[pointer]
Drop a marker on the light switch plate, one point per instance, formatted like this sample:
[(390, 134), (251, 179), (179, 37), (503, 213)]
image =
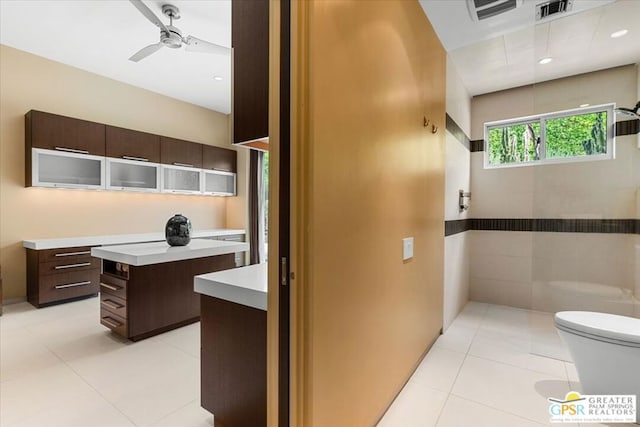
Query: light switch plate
[(407, 248)]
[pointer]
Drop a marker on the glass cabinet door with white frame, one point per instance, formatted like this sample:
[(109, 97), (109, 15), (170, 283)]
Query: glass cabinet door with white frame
[(66, 170), (178, 179), (133, 175), (219, 183)]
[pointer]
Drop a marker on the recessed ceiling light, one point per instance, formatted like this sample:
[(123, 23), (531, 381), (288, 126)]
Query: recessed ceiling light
[(545, 60), (619, 33), (584, 105), (218, 78)]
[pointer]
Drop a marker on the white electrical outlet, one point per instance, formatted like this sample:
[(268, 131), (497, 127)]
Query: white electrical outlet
[(407, 248)]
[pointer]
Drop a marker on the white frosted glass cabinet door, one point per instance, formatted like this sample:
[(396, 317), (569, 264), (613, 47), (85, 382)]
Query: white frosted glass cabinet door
[(66, 170), (219, 183), (133, 175), (176, 179)]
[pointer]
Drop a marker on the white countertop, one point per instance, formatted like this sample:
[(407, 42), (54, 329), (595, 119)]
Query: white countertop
[(118, 239), (159, 252), (244, 285)]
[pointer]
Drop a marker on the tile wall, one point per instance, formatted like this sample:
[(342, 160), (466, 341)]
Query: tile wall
[(457, 177), (552, 271)]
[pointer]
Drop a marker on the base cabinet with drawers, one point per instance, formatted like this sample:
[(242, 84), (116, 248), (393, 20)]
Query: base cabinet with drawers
[(137, 302), (57, 275)]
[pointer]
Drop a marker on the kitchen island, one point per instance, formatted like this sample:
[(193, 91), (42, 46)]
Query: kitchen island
[(233, 346), (147, 288)]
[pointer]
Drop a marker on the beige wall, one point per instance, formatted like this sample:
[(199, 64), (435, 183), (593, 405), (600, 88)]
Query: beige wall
[(369, 175), (31, 82)]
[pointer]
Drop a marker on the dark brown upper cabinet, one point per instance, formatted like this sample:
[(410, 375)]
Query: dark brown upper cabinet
[(132, 145), (180, 153), (250, 42), (54, 132), (220, 159)]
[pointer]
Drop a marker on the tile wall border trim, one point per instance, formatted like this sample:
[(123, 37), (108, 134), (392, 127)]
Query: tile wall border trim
[(555, 225), (457, 131)]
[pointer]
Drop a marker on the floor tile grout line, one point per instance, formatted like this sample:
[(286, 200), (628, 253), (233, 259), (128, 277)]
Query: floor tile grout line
[(519, 367), (173, 412)]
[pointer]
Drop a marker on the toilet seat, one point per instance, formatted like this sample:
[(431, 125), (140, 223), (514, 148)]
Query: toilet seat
[(600, 326)]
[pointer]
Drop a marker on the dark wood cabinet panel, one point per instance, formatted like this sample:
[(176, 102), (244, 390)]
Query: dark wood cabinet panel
[(68, 285), (135, 145), (220, 159), (233, 362), (250, 42), (54, 132), (180, 153)]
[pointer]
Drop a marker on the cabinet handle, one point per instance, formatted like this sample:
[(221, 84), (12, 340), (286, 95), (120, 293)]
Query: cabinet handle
[(140, 159), (111, 304), (113, 288), (73, 285), (72, 150), (111, 322), (74, 253), (182, 164), (82, 264)]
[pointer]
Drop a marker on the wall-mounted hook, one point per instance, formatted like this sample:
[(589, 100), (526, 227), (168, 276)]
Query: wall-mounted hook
[(434, 129), (426, 122)]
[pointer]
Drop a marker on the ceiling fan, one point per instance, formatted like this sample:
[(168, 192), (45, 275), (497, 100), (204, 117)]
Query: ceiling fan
[(171, 36), (629, 112)]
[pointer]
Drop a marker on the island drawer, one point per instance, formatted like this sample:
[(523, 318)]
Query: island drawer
[(113, 304), (116, 323), (65, 255), (113, 285), (67, 265), (56, 287)]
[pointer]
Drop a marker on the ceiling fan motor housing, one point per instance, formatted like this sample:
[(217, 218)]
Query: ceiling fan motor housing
[(173, 38)]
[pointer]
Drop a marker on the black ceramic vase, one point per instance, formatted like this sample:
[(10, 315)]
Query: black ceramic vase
[(178, 230)]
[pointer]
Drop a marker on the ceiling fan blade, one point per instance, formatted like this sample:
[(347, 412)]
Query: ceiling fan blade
[(145, 51), (149, 14), (195, 44)]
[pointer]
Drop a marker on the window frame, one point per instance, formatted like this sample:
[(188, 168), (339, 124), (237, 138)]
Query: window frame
[(542, 119)]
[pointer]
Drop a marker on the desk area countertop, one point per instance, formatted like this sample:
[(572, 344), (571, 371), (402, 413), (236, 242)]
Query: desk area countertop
[(160, 252), (244, 285), (119, 239)]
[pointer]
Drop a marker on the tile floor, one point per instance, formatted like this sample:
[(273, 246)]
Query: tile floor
[(486, 370), (60, 367)]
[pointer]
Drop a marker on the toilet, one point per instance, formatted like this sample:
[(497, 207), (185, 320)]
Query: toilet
[(605, 349)]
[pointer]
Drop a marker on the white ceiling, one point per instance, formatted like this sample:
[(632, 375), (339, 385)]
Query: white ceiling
[(495, 54), (503, 52), (100, 36)]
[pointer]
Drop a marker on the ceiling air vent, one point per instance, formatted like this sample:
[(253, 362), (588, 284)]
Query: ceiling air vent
[(552, 8), (483, 9)]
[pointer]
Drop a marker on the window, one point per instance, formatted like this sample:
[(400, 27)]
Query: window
[(565, 136), (265, 201)]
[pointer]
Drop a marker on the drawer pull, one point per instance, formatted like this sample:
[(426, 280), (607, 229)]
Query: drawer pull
[(187, 165), (71, 150), (110, 304), (140, 159), (74, 253), (73, 285), (113, 288), (111, 322), (82, 264)]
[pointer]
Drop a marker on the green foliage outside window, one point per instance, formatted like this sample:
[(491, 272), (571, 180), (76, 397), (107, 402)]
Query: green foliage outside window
[(564, 137)]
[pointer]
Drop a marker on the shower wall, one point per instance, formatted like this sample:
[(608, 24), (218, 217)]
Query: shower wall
[(552, 271), (457, 175)]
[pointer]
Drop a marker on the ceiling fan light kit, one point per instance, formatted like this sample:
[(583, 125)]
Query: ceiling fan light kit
[(171, 36)]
